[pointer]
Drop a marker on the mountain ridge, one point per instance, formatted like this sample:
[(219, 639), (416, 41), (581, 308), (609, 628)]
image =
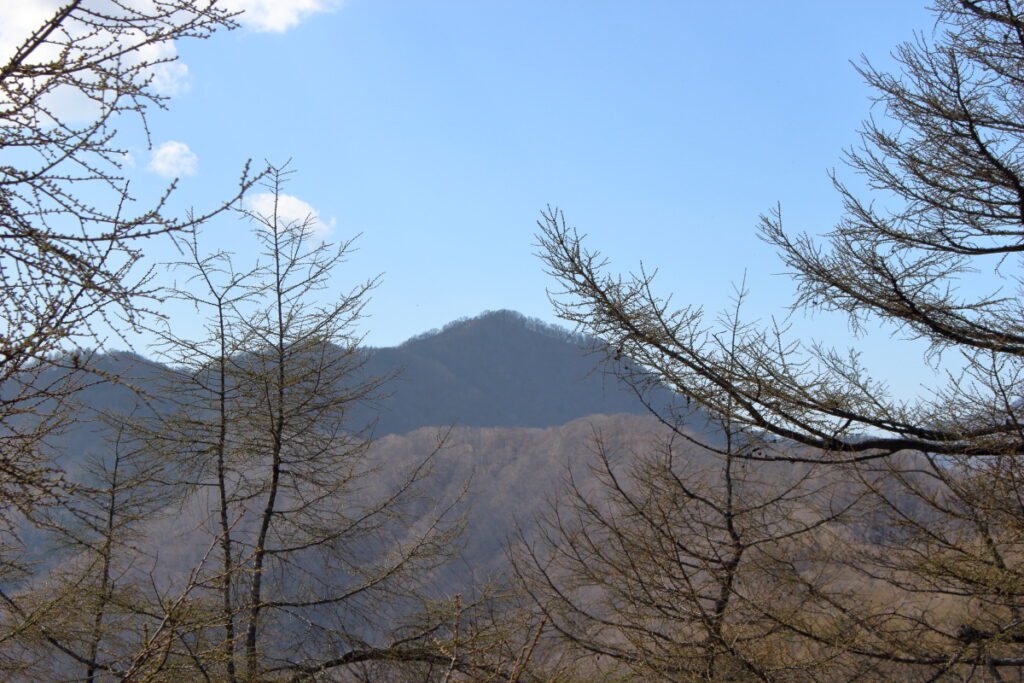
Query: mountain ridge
[(499, 368), (496, 369)]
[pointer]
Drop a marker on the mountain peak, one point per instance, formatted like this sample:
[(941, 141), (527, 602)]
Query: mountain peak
[(495, 321), (499, 368), (496, 369)]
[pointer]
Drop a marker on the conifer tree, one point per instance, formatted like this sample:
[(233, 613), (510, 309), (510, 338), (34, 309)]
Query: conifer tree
[(928, 583)]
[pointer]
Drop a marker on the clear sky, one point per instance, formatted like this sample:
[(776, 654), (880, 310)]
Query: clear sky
[(439, 129)]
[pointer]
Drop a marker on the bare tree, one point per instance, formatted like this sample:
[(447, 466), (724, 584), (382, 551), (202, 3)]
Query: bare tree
[(91, 601), (675, 561), (933, 581), (70, 230), (323, 557), (955, 162), (928, 581), (306, 487), (196, 424), (71, 269)]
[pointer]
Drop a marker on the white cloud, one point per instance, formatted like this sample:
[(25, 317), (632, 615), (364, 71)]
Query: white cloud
[(173, 159), (290, 210), (169, 77), (277, 16), (19, 19), (71, 105)]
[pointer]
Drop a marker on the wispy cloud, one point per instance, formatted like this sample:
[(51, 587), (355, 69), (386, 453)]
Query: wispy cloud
[(173, 159), (170, 75), (277, 16), (290, 210)]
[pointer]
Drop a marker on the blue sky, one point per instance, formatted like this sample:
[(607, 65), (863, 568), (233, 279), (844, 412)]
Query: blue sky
[(439, 129)]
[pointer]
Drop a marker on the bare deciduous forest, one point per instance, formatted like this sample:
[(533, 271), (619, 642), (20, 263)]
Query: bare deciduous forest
[(231, 510)]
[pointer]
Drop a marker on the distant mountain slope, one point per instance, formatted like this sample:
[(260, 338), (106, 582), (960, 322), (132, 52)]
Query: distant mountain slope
[(511, 473), (497, 369)]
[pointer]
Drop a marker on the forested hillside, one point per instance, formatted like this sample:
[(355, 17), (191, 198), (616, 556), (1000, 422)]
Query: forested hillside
[(498, 369)]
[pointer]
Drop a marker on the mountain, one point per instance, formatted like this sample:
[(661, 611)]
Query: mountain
[(497, 369), (514, 473), (505, 476)]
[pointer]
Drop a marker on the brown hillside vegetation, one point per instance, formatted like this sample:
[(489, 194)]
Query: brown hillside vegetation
[(654, 558), (659, 558)]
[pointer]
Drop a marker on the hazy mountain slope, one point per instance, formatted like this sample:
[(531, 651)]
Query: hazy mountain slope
[(512, 473), (497, 369), (508, 475)]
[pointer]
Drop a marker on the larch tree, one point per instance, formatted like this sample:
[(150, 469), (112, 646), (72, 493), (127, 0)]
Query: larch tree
[(930, 583), (196, 425), (71, 234), (954, 160), (676, 560), (321, 557), (94, 600)]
